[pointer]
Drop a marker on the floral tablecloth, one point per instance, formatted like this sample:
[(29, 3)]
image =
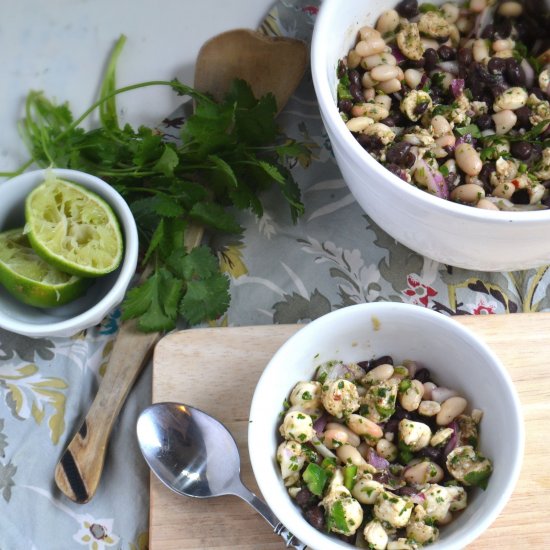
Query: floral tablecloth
[(280, 273)]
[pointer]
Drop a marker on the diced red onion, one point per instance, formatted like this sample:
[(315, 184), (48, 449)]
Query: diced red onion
[(435, 182), (320, 423), (374, 459), (452, 443), (466, 138), (441, 394), (396, 52), (529, 73), (457, 86)]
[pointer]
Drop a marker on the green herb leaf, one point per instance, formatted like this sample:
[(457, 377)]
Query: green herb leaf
[(337, 517), (471, 129), (205, 299), (478, 479)]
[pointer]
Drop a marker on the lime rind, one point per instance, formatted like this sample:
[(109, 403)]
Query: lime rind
[(73, 229), (30, 279)]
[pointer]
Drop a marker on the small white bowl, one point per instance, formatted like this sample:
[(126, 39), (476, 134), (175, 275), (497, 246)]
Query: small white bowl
[(445, 231), (105, 292), (456, 358)]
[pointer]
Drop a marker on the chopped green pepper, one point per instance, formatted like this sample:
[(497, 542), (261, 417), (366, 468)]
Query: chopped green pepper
[(350, 472), (315, 478)]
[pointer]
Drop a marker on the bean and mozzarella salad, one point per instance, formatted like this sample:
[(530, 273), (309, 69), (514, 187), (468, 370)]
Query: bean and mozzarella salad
[(454, 99), (376, 454)]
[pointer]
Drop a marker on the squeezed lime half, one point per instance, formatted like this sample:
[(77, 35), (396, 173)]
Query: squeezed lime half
[(72, 228), (30, 279)]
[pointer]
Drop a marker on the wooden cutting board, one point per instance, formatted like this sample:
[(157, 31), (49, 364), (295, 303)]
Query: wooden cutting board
[(217, 369)]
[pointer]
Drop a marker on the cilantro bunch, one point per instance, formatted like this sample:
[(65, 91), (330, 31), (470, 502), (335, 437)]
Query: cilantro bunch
[(230, 152)]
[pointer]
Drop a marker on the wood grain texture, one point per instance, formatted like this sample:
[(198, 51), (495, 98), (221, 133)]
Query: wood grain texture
[(217, 370)]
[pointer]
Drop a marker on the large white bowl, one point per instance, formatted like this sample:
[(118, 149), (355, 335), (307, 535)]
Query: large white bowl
[(105, 292), (451, 233), (456, 359)]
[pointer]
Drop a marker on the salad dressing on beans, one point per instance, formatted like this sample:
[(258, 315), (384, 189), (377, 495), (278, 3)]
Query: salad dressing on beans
[(378, 455), (454, 99)]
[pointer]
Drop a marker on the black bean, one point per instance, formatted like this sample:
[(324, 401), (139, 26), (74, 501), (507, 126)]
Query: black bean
[(545, 184), (497, 89), (538, 92), (488, 31), (537, 151), (521, 149), (382, 360), (464, 56), (432, 453), (410, 159), (407, 8), (486, 171), (342, 69), (415, 63), (305, 498), (431, 59), (523, 114), (515, 74), (354, 77), (406, 491), (446, 53), (397, 170), (496, 65), (356, 92), (450, 150), (485, 122), (420, 108), (316, 517), (370, 143), (345, 105), (397, 152), (423, 375), (502, 29), (521, 196), (392, 425)]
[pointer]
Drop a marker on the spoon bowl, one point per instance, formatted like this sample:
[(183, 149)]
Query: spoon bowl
[(195, 455)]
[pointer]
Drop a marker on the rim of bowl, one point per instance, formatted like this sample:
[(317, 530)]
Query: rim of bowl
[(127, 268), (290, 516), (319, 54)]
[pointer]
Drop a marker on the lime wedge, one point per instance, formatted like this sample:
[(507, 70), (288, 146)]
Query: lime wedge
[(72, 228), (32, 280)]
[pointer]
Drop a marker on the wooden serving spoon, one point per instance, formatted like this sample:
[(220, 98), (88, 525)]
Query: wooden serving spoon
[(269, 65)]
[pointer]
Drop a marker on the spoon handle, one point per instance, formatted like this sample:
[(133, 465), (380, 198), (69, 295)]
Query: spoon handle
[(265, 511)]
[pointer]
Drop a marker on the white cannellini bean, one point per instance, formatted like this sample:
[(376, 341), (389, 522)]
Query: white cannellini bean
[(384, 101), (510, 9), (371, 61), (504, 190), (369, 94), (365, 33), (370, 46), (358, 124), (429, 408), (363, 426), (386, 449), (447, 140), (486, 205), (464, 25), (372, 110), (367, 81), (429, 386), (450, 409), (504, 54), (450, 12), (504, 121), (412, 396), (503, 44), (354, 59), (350, 455), (423, 472), (440, 126), (335, 438), (512, 99), (384, 72), (379, 373), (468, 159), (478, 5), (480, 50), (413, 78), (429, 43), (352, 438), (469, 193), (400, 74), (387, 22), (390, 86)]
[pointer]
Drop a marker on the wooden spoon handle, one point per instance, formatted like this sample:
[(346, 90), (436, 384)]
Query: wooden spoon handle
[(78, 472)]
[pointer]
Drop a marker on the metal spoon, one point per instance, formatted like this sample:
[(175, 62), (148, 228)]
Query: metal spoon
[(195, 455)]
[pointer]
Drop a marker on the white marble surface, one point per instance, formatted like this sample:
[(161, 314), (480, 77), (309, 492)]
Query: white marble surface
[(61, 47)]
